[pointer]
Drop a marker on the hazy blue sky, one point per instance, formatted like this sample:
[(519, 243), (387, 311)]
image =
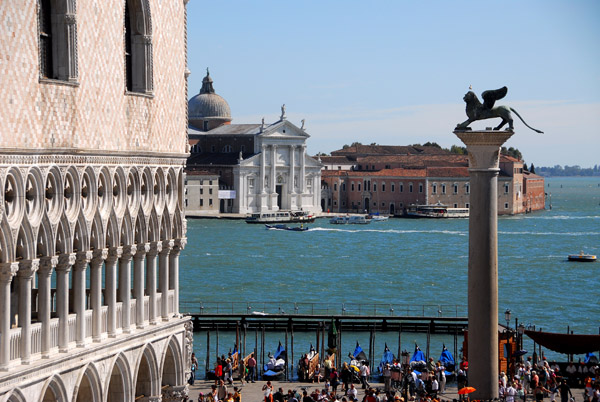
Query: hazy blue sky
[(395, 72)]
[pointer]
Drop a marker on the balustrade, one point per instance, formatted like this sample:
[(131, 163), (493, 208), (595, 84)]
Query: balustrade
[(15, 343), (89, 323), (36, 338), (146, 308)]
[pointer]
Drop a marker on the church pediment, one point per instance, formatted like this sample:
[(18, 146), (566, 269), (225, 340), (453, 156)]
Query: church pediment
[(284, 129)]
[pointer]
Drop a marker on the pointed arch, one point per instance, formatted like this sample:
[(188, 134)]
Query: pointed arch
[(112, 232), (171, 366), (54, 390), (81, 240), (25, 244), (126, 230), (45, 239), (89, 388), (15, 396), (64, 240), (147, 377), (177, 232), (119, 381), (165, 226), (97, 235), (141, 231), (153, 227)]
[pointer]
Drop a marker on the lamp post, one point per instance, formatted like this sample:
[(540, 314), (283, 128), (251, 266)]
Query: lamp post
[(507, 318)]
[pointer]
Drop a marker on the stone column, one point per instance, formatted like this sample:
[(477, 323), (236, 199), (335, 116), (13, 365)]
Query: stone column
[(273, 169), (65, 262), (303, 169), (163, 273), (79, 287), (263, 161), (484, 151), (26, 270), (125, 286), (292, 165), (174, 271), (110, 293), (7, 271), (138, 283), (96, 291), (46, 267), (155, 249)]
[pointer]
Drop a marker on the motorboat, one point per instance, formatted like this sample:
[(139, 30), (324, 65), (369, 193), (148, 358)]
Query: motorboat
[(377, 218), (281, 217), (581, 257), (435, 211), (350, 220), (281, 226)]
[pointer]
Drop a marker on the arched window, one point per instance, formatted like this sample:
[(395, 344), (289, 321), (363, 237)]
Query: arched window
[(227, 149), (57, 27), (138, 47)]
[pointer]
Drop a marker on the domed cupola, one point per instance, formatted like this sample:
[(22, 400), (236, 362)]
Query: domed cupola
[(208, 110)]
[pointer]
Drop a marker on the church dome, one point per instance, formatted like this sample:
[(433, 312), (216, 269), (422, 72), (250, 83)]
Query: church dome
[(207, 108)]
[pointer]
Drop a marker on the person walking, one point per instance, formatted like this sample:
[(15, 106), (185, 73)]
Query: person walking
[(564, 390), (251, 368), (364, 373)]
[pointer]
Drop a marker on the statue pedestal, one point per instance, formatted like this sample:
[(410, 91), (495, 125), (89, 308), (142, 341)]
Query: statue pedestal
[(484, 153)]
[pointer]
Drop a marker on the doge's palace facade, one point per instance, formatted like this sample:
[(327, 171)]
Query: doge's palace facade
[(93, 141)]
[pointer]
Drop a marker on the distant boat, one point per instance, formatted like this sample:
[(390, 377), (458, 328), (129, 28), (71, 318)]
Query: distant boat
[(435, 211), (300, 228), (281, 217), (581, 257), (354, 219), (377, 218)]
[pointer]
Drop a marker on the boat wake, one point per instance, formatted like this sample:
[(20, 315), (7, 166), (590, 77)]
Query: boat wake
[(574, 234), (450, 232)]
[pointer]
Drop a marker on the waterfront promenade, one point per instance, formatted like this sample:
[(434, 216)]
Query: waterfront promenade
[(252, 392)]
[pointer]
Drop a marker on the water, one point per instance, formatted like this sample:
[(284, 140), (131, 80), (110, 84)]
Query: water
[(405, 261)]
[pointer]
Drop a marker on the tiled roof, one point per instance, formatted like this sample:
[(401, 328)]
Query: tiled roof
[(418, 160), (335, 159), (447, 172), (389, 150), (508, 158), (398, 172)]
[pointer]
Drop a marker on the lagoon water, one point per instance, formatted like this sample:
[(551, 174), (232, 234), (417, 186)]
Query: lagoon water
[(404, 262)]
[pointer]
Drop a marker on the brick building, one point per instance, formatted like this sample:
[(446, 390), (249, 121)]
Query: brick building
[(387, 179)]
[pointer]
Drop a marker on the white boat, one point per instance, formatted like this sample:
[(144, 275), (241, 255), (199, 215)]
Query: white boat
[(581, 257), (354, 219), (281, 217), (435, 211), (377, 218)]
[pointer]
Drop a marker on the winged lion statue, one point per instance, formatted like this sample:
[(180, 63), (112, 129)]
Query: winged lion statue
[(478, 111)]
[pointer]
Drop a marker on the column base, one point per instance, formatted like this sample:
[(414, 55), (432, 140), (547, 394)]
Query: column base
[(112, 335), (97, 339), (165, 319), (63, 350), (141, 326)]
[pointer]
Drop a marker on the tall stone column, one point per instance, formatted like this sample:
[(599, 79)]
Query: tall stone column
[(26, 270), (7, 271), (273, 168), (45, 269), (174, 271), (163, 273), (96, 292), (155, 249), (292, 189), (79, 287), (125, 286), (65, 262), (138, 283), (263, 161), (110, 294), (303, 169), (484, 152)]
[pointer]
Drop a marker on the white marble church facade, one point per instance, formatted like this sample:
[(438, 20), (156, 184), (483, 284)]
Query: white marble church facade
[(280, 175), (92, 152)]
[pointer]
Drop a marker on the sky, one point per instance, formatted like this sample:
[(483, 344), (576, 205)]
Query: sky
[(395, 72)]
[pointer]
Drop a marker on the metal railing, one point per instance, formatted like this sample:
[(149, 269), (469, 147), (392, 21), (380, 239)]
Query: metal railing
[(323, 309)]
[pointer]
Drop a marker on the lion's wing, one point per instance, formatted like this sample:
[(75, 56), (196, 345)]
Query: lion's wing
[(491, 96)]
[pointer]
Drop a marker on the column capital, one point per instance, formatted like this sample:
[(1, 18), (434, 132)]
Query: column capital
[(142, 250), (28, 267), (129, 251), (114, 253), (181, 243), (65, 262), (167, 246), (8, 270), (100, 255), (155, 249), (82, 259), (47, 264)]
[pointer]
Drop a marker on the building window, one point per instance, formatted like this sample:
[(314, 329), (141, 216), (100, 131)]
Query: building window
[(410, 187), (334, 186), (210, 202), (359, 187), (467, 205), (455, 189), (420, 188), (393, 187), (383, 204), (201, 190), (138, 47), (506, 188), (339, 168), (213, 148), (434, 189), (372, 167), (57, 26), (352, 186), (443, 188), (375, 187), (335, 203), (227, 149), (383, 187), (251, 183), (343, 186), (210, 191), (343, 203), (467, 188), (455, 205), (401, 187), (201, 202), (506, 205), (387, 166)]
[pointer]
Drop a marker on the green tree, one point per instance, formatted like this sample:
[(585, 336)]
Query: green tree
[(432, 144), (457, 149), (532, 168)]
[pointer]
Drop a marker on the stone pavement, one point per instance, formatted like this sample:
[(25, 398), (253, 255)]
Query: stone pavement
[(252, 392)]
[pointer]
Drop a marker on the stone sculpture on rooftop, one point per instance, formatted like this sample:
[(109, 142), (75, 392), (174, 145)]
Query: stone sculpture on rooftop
[(478, 111)]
